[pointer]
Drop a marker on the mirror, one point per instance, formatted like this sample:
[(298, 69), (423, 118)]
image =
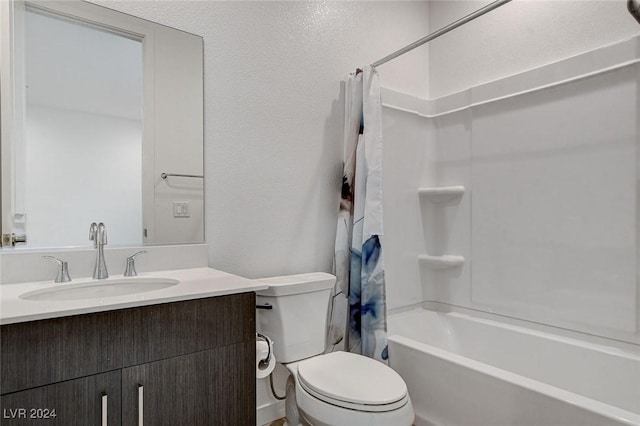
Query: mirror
[(107, 126)]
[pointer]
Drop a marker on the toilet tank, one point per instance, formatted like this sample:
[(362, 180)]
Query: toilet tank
[(298, 321)]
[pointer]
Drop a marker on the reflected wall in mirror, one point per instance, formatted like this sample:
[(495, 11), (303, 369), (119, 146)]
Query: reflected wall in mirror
[(83, 132), (103, 104)]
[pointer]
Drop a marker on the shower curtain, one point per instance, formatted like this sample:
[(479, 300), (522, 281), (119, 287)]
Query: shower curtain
[(358, 308)]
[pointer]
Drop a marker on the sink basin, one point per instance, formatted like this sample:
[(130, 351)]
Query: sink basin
[(98, 289)]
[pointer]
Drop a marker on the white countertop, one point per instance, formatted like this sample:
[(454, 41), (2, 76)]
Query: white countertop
[(194, 284)]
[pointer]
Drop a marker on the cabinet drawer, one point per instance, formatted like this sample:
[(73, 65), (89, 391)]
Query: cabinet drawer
[(156, 332), (38, 353)]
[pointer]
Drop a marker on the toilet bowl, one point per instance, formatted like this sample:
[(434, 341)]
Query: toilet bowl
[(342, 388), (334, 389)]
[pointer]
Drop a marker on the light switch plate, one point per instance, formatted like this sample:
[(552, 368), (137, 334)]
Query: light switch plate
[(181, 209)]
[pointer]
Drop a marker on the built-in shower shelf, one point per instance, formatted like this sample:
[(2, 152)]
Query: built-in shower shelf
[(440, 194), (446, 261)]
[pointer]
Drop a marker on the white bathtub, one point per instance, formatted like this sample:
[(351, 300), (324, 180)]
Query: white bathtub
[(468, 371)]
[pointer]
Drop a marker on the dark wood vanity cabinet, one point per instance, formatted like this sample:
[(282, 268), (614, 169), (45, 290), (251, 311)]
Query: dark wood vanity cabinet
[(182, 363)]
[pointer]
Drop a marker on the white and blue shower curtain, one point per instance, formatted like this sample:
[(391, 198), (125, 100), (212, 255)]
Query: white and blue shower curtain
[(358, 308)]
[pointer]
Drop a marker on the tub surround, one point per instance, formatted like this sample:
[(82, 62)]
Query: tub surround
[(193, 284), (516, 299), (525, 238), (449, 357)]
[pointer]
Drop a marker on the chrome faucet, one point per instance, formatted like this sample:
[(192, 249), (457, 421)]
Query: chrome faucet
[(98, 234)]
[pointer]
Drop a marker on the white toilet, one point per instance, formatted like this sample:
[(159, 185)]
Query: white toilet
[(334, 389)]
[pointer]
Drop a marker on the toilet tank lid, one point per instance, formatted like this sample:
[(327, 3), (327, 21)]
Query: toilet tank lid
[(296, 284)]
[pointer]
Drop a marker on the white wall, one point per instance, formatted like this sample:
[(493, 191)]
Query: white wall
[(77, 164), (273, 116), (518, 36)]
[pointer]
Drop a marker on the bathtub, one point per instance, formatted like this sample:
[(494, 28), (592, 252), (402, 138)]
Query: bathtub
[(469, 371)]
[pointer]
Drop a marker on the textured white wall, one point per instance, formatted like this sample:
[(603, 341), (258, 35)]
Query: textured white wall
[(518, 36), (273, 116)]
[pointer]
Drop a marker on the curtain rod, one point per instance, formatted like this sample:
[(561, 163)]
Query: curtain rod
[(441, 31)]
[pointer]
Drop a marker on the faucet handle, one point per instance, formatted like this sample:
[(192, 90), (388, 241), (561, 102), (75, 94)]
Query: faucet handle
[(102, 234), (63, 271), (130, 270), (93, 233)]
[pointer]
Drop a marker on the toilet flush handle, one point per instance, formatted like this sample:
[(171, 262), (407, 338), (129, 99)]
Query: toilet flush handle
[(264, 306)]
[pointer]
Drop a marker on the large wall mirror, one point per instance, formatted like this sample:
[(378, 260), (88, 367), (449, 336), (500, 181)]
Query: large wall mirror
[(103, 122)]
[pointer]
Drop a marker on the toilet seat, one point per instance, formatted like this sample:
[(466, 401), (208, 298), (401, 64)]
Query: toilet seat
[(353, 382)]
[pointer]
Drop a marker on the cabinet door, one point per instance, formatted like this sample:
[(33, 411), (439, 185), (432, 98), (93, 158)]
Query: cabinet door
[(74, 402), (213, 387)]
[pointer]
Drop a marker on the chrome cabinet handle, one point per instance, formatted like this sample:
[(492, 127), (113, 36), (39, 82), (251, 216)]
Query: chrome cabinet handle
[(140, 405), (105, 404)]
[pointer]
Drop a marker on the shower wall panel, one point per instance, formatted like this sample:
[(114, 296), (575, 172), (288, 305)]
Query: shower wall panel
[(554, 204), (547, 226), (408, 155)]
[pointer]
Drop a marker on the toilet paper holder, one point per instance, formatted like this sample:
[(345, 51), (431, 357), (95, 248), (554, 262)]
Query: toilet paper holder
[(260, 336)]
